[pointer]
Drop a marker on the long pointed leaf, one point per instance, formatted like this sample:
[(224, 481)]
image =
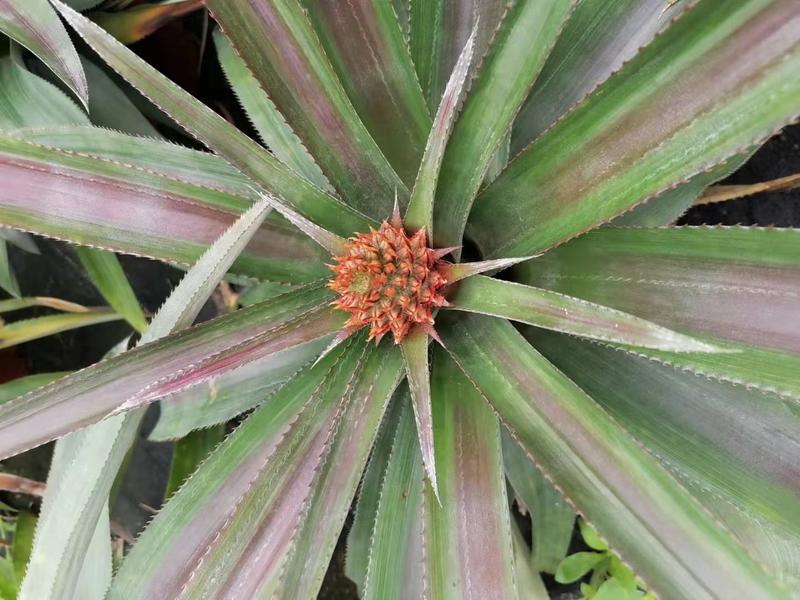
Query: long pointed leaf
[(159, 369), (219, 135), (276, 41), (644, 513), (95, 200), (269, 123), (35, 25), (227, 532), (26, 330), (80, 481), (366, 47), (394, 569), (736, 450), (420, 206), (415, 356), (338, 479), (518, 51), (617, 149), (468, 548), (558, 312)]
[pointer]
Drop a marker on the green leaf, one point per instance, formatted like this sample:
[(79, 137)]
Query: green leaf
[(367, 49), (270, 124), (613, 590), (438, 31), (8, 280), (553, 520), (467, 537), (597, 40), (87, 462), (517, 53), (589, 535), (82, 192), (242, 506), (218, 134), (577, 565), (529, 582), (420, 206), (189, 452), (232, 393), (107, 275), (646, 515), (279, 45), (394, 569), (736, 450), (415, 357), (54, 303), (30, 101), (26, 330), (567, 314), (617, 149), (360, 535), (23, 385), (337, 480), (35, 25), (680, 277)]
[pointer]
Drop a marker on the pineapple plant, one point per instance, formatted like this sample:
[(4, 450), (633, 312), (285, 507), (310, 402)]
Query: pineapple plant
[(459, 223)]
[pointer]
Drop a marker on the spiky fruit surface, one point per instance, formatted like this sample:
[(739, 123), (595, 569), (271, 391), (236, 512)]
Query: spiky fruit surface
[(389, 281)]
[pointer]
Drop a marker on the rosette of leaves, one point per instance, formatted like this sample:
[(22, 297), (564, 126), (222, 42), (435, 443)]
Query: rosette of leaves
[(649, 372)]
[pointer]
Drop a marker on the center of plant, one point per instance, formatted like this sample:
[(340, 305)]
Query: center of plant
[(388, 281)]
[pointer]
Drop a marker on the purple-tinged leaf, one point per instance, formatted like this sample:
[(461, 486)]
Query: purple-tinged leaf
[(217, 133), (468, 547), (597, 40), (419, 214), (438, 30), (644, 513), (366, 46), (674, 111), (736, 450), (395, 566), (338, 479), (277, 42), (153, 371), (270, 124), (228, 531), (415, 356), (552, 310), (99, 201), (35, 25), (515, 57), (733, 283)]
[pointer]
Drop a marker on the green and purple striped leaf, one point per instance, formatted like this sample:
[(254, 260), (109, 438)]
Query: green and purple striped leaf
[(518, 51), (277, 42), (159, 369), (468, 547), (568, 314), (228, 531), (137, 22), (219, 135), (35, 25), (111, 202), (673, 111), (420, 205), (597, 40), (736, 450), (396, 554), (270, 124), (365, 44), (337, 480), (636, 505)]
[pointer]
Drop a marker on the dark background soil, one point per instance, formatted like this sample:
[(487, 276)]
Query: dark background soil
[(56, 272)]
